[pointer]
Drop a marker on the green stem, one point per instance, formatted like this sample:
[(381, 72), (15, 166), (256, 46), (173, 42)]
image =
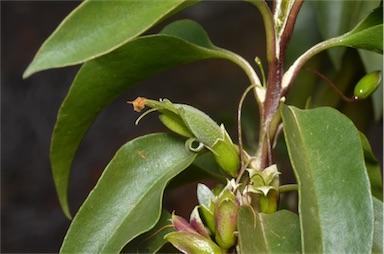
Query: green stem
[(266, 14), (292, 72), (284, 18), (288, 187), (239, 132), (249, 71)]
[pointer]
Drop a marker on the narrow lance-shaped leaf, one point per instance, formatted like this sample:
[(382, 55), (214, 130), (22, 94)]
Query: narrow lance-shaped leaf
[(277, 232), (335, 203), (131, 185), (102, 80), (95, 28)]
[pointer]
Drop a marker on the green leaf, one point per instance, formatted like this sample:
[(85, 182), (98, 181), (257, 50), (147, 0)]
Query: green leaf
[(95, 28), (100, 81), (338, 17), (335, 204), (204, 128), (378, 231), (373, 169), (131, 185), (153, 240), (368, 34), (277, 232)]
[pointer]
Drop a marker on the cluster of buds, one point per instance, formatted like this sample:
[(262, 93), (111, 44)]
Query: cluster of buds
[(265, 183), (194, 124), (213, 223)]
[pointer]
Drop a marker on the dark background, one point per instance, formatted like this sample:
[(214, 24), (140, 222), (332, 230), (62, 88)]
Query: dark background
[(31, 219)]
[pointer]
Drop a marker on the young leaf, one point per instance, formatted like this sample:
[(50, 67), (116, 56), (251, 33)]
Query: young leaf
[(277, 232), (132, 185), (100, 81), (335, 203), (95, 28)]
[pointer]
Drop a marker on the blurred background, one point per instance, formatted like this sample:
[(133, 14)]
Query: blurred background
[(31, 219)]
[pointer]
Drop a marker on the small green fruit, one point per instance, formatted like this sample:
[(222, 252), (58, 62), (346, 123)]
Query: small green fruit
[(367, 85)]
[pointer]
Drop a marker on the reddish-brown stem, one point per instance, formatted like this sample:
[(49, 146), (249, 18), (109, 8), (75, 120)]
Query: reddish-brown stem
[(345, 98), (271, 105), (274, 89)]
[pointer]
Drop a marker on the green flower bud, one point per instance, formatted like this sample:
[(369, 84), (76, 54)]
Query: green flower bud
[(226, 207), (200, 124), (208, 217), (206, 200), (197, 224), (181, 225), (193, 123), (269, 203), (192, 243), (218, 189), (266, 184), (214, 137), (367, 85), (226, 156), (175, 124), (226, 223), (188, 240), (267, 177)]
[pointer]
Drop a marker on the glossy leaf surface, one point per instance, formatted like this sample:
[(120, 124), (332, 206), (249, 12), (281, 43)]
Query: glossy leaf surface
[(368, 34), (102, 80), (334, 191), (377, 246), (95, 28), (153, 240), (131, 185), (338, 17), (278, 232), (373, 169)]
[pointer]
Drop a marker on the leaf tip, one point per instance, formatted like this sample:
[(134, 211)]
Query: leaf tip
[(27, 73)]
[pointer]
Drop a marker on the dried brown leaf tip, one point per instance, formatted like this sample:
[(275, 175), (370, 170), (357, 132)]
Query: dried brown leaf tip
[(138, 103)]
